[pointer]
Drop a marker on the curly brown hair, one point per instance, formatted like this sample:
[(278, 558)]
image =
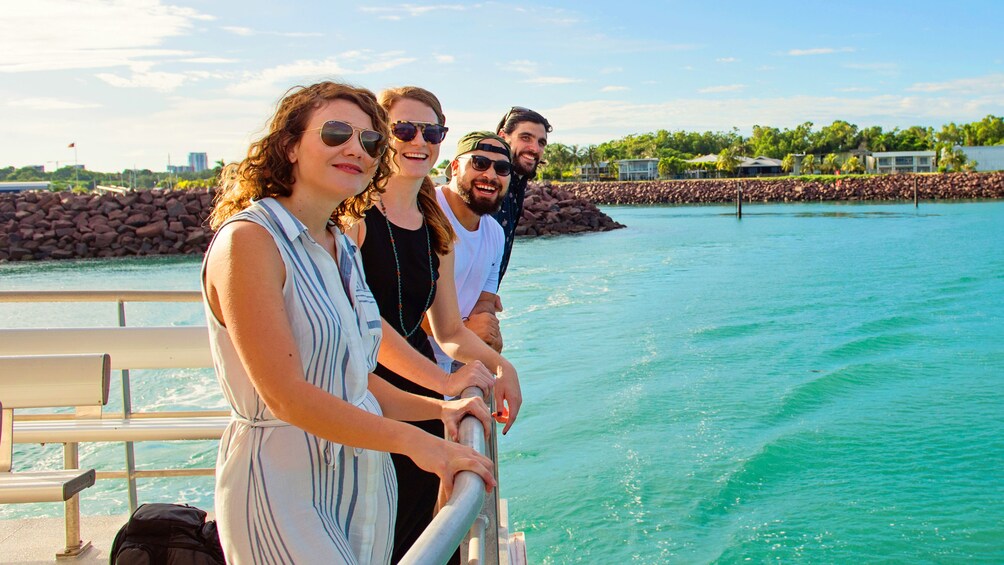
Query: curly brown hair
[(442, 234), (266, 171)]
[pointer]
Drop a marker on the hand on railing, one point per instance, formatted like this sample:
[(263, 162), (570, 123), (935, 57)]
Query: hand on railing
[(472, 374), (455, 410)]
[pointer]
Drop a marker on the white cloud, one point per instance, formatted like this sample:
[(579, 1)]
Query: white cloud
[(819, 51), (363, 62), (600, 120), (722, 88), (551, 80), (249, 32), (208, 60), (856, 89), (238, 30), (164, 82), (965, 86), (413, 10), (81, 34), (613, 88), (521, 66), (43, 103), (445, 58), (727, 60), (609, 70)]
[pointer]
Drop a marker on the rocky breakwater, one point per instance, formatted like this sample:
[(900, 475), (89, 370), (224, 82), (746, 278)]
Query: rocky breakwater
[(953, 186), (548, 210), (63, 225)]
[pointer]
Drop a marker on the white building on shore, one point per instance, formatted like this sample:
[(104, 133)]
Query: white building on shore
[(884, 162), (987, 157)]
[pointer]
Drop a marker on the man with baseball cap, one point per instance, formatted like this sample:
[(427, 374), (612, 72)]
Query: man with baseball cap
[(479, 180)]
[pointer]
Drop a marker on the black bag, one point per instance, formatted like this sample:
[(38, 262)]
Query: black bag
[(167, 534)]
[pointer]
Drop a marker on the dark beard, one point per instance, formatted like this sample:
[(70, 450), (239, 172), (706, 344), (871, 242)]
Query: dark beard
[(517, 167), (477, 205)]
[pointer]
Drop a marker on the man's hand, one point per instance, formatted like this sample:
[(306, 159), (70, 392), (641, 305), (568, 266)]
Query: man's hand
[(486, 326)]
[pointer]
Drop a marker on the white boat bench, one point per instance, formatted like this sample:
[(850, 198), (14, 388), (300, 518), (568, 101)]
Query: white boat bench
[(130, 347), (50, 381)]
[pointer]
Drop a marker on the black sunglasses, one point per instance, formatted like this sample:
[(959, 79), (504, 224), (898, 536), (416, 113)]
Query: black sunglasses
[(335, 133), (502, 168), (406, 131), (514, 110)]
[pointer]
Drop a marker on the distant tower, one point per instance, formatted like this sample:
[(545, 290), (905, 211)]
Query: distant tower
[(198, 162)]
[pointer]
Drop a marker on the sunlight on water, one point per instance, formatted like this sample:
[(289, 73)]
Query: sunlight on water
[(813, 384)]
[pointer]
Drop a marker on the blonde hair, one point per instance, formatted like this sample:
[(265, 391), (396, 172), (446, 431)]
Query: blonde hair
[(441, 231), (267, 171)]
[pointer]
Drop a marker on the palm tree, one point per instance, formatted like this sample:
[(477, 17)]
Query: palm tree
[(852, 165), (788, 163), (728, 159), (830, 163), (808, 164)]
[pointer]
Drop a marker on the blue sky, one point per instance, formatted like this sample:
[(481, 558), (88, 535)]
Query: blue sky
[(132, 82)]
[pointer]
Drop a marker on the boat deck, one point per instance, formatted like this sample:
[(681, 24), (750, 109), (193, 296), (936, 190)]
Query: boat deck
[(36, 540)]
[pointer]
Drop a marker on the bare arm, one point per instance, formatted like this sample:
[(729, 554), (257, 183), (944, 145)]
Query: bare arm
[(399, 356), (244, 279), (483, 321), (462, 344)]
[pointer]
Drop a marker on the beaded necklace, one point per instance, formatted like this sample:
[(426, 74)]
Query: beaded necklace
[(397, 265)]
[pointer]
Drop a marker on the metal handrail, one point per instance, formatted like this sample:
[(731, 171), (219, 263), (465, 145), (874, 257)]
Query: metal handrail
[(460, 516)]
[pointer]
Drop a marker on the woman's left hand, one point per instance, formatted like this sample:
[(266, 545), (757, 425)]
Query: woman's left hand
[(455, 410)]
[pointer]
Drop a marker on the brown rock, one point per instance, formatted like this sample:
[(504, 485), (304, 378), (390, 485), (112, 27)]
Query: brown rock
[(151, 230)]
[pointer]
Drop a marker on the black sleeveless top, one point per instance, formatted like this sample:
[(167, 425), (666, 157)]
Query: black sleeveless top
[(381, 276)]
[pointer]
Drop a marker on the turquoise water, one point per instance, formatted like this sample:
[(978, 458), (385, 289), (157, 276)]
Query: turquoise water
[(814, 383)]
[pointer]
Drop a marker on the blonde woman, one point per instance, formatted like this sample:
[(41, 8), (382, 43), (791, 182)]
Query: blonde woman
[(303, 474), (406, 244)]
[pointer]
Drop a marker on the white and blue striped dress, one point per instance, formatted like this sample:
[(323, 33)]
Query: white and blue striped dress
[(282, 494)]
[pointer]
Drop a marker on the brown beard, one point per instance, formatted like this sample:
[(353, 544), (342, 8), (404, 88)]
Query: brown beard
[(478, 205), (517, 167)]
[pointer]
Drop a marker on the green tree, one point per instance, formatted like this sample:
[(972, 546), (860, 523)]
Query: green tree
[(728, 160), (788, 163), (954, 160), (853, 165), (671, 166), (559, 156), (808, 165), (830, 163)]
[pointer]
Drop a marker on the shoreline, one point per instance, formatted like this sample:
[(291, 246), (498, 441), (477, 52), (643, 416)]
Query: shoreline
[(39, 226), (932, 186)]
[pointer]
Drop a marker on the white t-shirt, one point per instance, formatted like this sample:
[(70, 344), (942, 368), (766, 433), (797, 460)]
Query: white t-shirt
[(477, 256)]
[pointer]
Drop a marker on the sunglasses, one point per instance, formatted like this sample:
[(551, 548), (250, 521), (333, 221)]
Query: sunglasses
[(502, 168), (406, 131), (335, 133), (514, 110)]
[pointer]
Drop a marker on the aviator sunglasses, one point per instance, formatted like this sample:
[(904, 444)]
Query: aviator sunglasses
[(406, 131), (335, 133), (502, 168)]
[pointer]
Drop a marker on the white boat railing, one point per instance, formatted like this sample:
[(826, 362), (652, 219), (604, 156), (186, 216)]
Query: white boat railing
[(468, 519), (120, 297)]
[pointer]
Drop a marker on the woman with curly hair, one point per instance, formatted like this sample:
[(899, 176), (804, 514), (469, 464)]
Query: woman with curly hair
[(303, 473)]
